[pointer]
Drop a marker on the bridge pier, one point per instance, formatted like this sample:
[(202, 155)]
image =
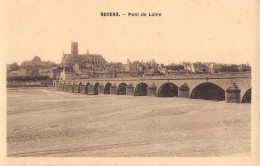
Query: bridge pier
[(130, 90), (152, 90), (113, 89), (76, 88), (65, 87), (61, 87), (233, 94), (184, 91), (91, 89), (57, 85), (82, 89), (101, 89), (70, 88)]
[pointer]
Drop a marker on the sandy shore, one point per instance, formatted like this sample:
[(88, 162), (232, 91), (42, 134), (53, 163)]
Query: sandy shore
[(45, 122)]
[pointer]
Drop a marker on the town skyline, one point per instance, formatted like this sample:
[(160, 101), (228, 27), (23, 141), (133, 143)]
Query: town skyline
[(121, 59), (137, 60), (75, 65)]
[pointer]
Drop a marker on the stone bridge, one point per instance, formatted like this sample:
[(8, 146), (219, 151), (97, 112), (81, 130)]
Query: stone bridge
[(232, 87)]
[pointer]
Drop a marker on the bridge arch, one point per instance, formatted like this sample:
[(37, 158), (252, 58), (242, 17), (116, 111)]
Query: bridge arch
[(208, 91), (168, 90), (65, 86), (96, 88), (107, 88), (121, 89), (82, 88), (247, 96), (73, 87), (86, 88), (141, 89), (79, 89)]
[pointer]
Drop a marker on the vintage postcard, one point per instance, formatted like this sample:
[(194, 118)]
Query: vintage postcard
[(138, 82)]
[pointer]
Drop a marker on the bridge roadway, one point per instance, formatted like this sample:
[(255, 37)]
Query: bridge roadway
[(194, 86)]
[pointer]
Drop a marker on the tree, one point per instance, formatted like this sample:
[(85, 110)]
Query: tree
[(174, 67), (36, 58), (14, 66), (232, 68)]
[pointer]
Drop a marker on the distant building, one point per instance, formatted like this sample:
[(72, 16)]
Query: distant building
[(13, 74), (36, 67), (67, 75), (188, 67), (44, 72), (126, 67), (200, 68), (216, 68), (136, 68), (83, 59), (76, 68), (20, 72), (244, 68)]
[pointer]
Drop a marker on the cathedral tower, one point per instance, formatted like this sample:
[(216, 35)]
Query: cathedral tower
[(74, 48)]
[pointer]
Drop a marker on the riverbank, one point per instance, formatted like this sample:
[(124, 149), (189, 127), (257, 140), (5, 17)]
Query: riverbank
[(45, 122)]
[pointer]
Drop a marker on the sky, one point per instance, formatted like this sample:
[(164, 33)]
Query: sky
[(189, 30)]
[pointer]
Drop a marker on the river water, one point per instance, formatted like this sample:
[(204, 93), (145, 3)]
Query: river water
[(46, 122)]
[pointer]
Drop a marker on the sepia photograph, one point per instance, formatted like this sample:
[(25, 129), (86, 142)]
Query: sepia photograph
[(129, 79)]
